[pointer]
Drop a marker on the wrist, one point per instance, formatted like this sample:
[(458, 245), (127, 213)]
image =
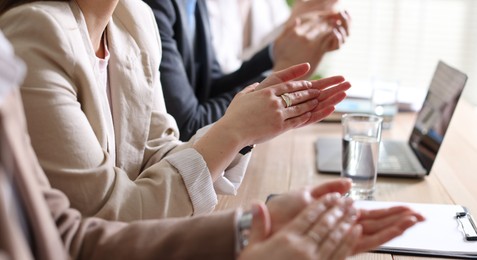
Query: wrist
[(231, 134)]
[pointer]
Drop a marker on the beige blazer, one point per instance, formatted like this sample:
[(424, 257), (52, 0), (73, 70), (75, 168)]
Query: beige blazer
[(153, 175), (58, 231)]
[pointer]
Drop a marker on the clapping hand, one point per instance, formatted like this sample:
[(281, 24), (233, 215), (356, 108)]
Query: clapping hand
[(336, 227)]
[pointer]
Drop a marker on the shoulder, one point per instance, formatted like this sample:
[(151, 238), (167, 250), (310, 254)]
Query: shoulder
[(136, 16), (39, 24), (45, 36), (37, 14)]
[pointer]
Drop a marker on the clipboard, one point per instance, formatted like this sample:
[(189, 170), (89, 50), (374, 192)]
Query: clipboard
[(448, 231)]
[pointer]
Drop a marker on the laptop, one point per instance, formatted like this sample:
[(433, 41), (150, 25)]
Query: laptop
[(415, 157)]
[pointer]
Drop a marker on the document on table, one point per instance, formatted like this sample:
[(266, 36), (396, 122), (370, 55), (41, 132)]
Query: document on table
[(441, 234)]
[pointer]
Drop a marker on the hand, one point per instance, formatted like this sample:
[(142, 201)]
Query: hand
[(382, 225), (301, 7), (258, 113), (308, 38), (323, 230), (285, 207)]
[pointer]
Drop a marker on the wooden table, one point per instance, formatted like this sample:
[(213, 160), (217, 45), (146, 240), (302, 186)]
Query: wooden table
[(288, 162)]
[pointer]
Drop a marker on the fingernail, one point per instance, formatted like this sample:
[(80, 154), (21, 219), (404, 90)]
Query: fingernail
[(338, 212), (344, 203), (330, 220), (348, 201), (352, 214), (345, 227), (332, 197), (413, 219)]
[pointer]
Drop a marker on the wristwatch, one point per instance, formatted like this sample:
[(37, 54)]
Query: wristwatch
[(243, 230), (246, 149)]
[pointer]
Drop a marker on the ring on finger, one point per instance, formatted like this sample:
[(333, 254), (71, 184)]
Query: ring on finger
[(286, 97)]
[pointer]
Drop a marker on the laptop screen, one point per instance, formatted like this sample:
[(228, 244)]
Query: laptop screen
[(435, 115)]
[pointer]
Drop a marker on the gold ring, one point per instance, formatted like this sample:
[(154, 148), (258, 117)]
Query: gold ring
[(314, 236), (287, 99)]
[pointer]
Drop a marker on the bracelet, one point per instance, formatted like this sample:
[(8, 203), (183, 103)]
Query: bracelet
[(243, 227), (246, 149)]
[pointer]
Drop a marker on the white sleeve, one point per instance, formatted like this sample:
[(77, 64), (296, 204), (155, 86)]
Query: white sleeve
[(229, 180)]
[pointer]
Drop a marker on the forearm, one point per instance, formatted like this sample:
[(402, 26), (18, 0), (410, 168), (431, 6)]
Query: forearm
[(204, 237), (219, 146)]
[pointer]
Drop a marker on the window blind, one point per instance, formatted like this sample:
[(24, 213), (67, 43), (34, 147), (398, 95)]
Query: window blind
[(404, 39)]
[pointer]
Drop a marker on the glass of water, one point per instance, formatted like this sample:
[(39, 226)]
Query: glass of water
[(384, 100), (361, 139)]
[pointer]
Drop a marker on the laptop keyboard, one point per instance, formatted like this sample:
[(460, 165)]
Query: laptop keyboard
[(394, 156)]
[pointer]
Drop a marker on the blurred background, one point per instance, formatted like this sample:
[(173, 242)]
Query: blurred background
[(403, 40)]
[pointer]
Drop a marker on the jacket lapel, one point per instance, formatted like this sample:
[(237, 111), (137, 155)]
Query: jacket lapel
[(130, 79)]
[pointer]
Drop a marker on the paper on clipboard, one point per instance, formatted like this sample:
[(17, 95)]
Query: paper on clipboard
[(440, 235)]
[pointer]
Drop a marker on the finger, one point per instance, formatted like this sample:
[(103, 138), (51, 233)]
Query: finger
[(320, 112), (330, 41), (331, 101), (338, 39), (261, 225), (301, 96), (298, 121), (344, 20), (327, 93), (285, 75), (326, 82), (375, 225), (343, 34), (340, 19), (348, 245), (337, 233), (341, 186), (316, 116), (311, 214), (369, 242), (381, 213), (300, 109), (292, 87), (250, 88)]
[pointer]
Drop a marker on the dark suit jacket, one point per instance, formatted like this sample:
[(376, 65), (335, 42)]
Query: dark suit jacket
[(196, 91), (53, 230)]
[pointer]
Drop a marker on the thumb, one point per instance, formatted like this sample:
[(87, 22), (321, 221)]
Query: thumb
[(341, 186), (250, 88), (261, 223)]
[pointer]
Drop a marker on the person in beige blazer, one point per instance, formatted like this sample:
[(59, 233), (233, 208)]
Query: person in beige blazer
[(97, 120), (37, 221)]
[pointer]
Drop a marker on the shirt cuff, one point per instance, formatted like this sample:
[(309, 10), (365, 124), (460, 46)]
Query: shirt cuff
[(197, 179), (229, 181)]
